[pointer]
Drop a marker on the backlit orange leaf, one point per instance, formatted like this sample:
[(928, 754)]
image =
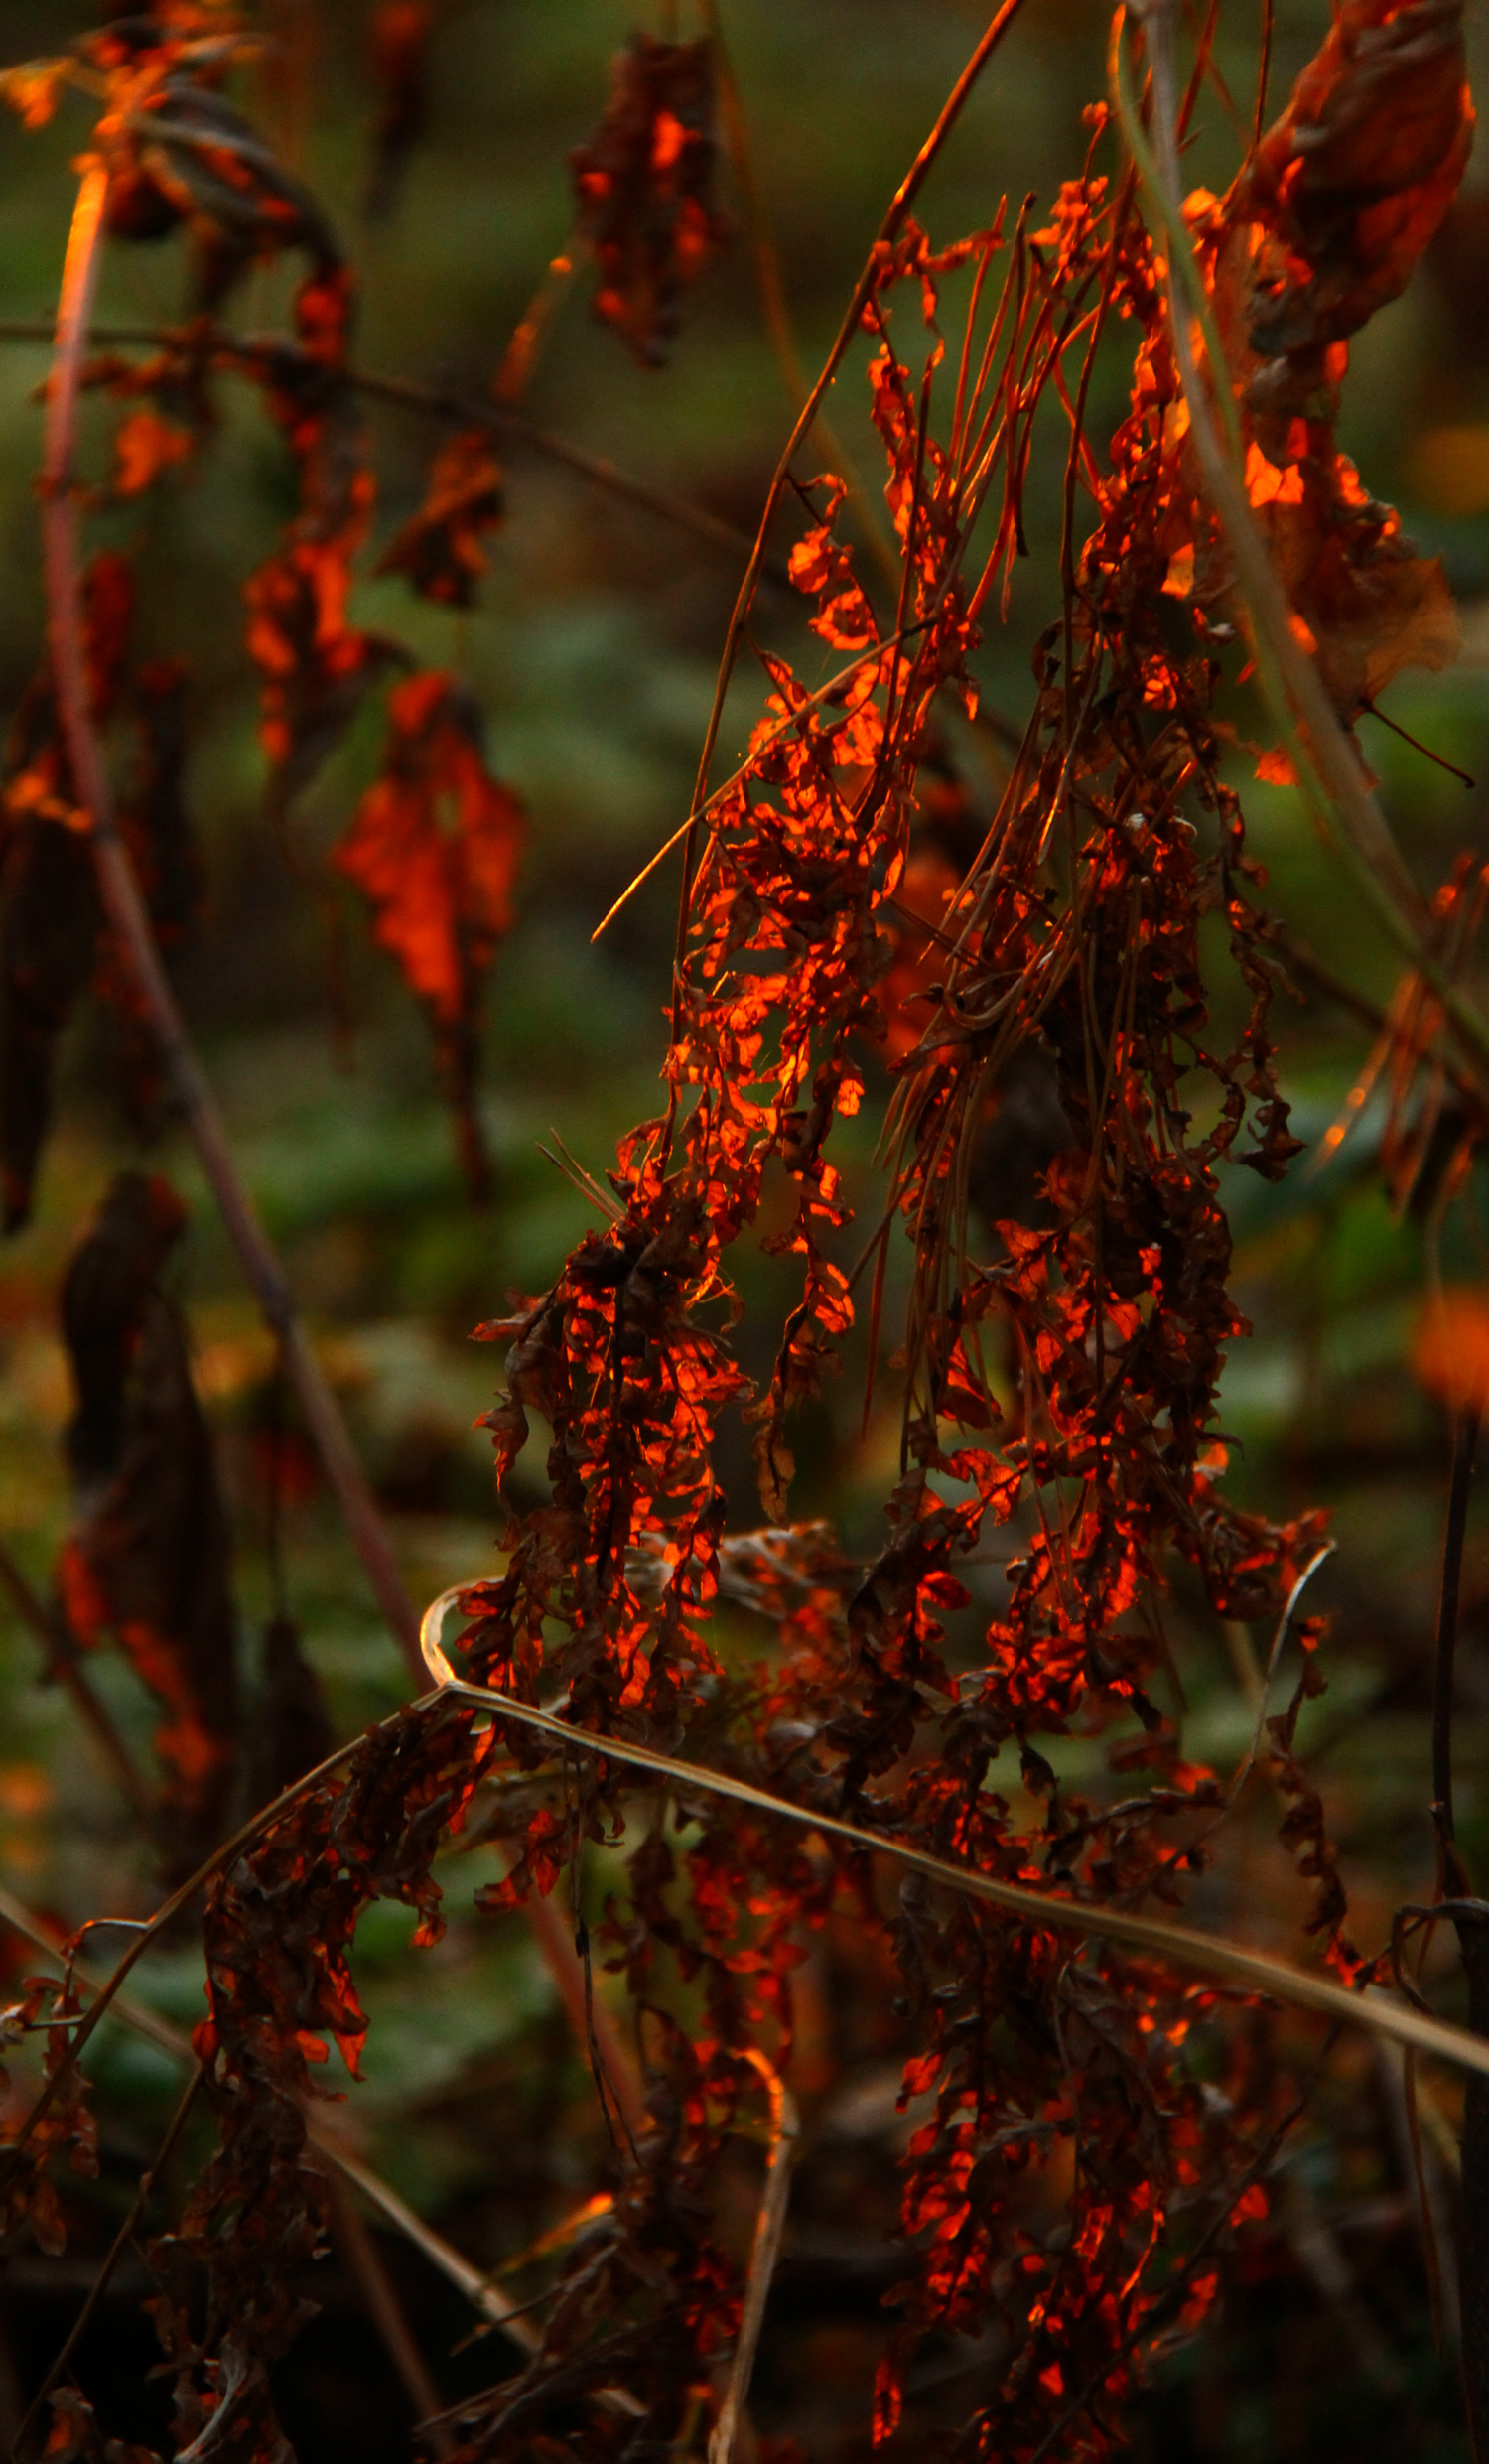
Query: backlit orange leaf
[(434, 845), (145, 444), (440, 548)]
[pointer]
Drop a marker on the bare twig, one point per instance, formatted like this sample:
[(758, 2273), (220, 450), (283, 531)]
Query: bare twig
[(770, 2226), (244, 353), (365, 2263), (1254, 1972), (130, 923), (1454, 1880)]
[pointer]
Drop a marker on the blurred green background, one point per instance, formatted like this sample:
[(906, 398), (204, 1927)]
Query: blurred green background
[(593, 653)]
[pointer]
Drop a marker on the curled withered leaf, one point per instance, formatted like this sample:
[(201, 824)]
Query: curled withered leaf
[(27, 2196), (1321, 228), (147, 1558), (277, 1937), (172, 408), (435, 845), (1353, 180), (162, 842), (242, 205), (440, 547), (49, 934), (398, 41), (645, 189)]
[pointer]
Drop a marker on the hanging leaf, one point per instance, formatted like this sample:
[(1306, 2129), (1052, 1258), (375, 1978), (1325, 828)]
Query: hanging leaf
[(147, 1559), (317, 666), (1320, 229), (398, 56), (645, 189), (434, 845), (224, 182), (1353, 180), (440, 547)]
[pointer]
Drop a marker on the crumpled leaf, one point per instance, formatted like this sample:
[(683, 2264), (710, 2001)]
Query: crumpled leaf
[(645, 189), (435, 845), (440, 547), (147, 1560), (1322, 227), (1352, 180), (242, 205)]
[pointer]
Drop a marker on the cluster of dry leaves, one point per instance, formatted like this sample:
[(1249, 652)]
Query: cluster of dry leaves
[(1057, 1118)]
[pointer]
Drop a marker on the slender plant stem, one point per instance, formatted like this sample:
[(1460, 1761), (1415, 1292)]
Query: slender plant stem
[(243, 353), (365, 2263), (770, 2223), (1455, 1883), (130, 922), (1182, 1946)]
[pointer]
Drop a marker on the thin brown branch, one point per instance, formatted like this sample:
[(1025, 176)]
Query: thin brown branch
[(364, 2265), (770, 2223), (130, 922), (243, 351), (1454, 1880)]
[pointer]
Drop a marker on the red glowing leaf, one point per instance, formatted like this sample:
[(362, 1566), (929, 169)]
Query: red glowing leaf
[(435, 846), (440, 548)]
